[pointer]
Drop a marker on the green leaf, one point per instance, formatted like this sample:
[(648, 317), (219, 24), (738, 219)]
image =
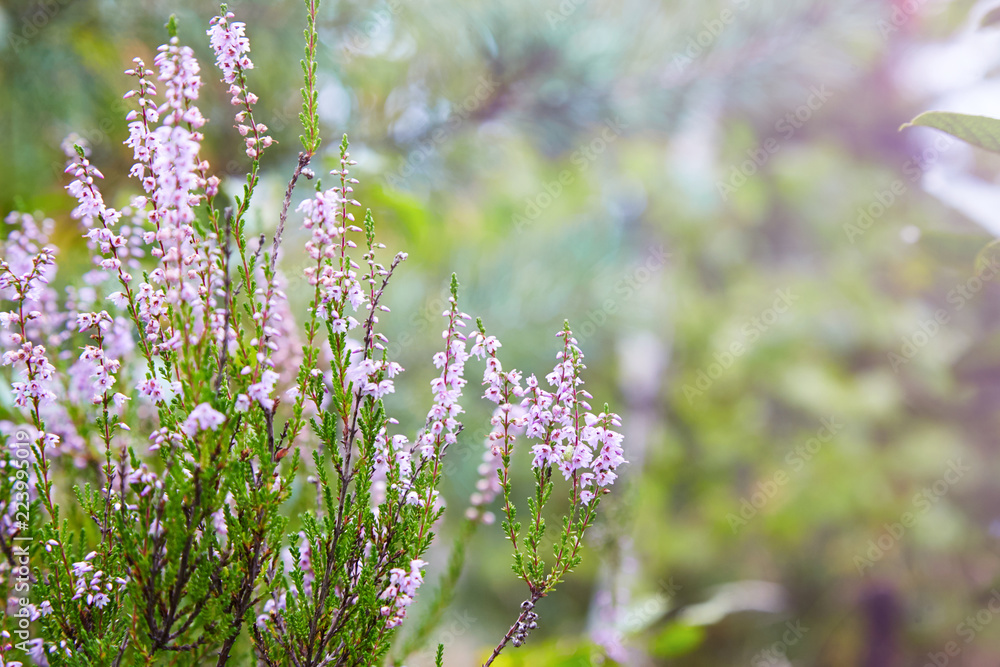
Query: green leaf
[(976, 130)]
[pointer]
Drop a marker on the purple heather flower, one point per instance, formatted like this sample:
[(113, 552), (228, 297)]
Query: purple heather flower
[(203, 418)]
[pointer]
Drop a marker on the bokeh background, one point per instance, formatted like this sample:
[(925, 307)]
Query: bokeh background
[(793, 305)]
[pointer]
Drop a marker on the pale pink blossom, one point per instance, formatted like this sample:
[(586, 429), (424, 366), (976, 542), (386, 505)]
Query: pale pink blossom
[(203, 418)]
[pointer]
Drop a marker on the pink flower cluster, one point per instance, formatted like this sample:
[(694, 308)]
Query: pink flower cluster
[(94, 360), (501, 388), (393, 463), (581, 445), (23, 284), (168, 163), (260, 392), (366, 374), (180, 73), (102, 372), (588, 451), (281, 342), (228, 39), (92, 588), (174, 163), (271, 609), (37, 374), (272, 317), (442, 423), (152, 305), (306, 565), (141, 139), (27, 267), (231, 46), (143, 481), (398, 456), (401, 590), (203, 418), (90, 209), (393, 457), (327, 217)]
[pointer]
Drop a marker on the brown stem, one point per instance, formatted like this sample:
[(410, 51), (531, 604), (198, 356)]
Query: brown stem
[(121, 652), (303, 163), (510, 633)]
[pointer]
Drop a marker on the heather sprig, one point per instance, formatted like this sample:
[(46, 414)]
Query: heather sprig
[(310, 96), (571, 440), (166, 411)]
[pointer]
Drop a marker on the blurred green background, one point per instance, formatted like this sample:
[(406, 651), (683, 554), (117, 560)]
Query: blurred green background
[(800, 337)]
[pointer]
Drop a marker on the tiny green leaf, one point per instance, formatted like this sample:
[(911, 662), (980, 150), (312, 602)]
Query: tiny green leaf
[(979, 131)]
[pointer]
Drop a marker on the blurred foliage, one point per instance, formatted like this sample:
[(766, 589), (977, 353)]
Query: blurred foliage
[(546, 152)]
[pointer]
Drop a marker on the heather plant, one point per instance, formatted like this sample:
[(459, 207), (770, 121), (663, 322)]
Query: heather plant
[(165, 408)]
